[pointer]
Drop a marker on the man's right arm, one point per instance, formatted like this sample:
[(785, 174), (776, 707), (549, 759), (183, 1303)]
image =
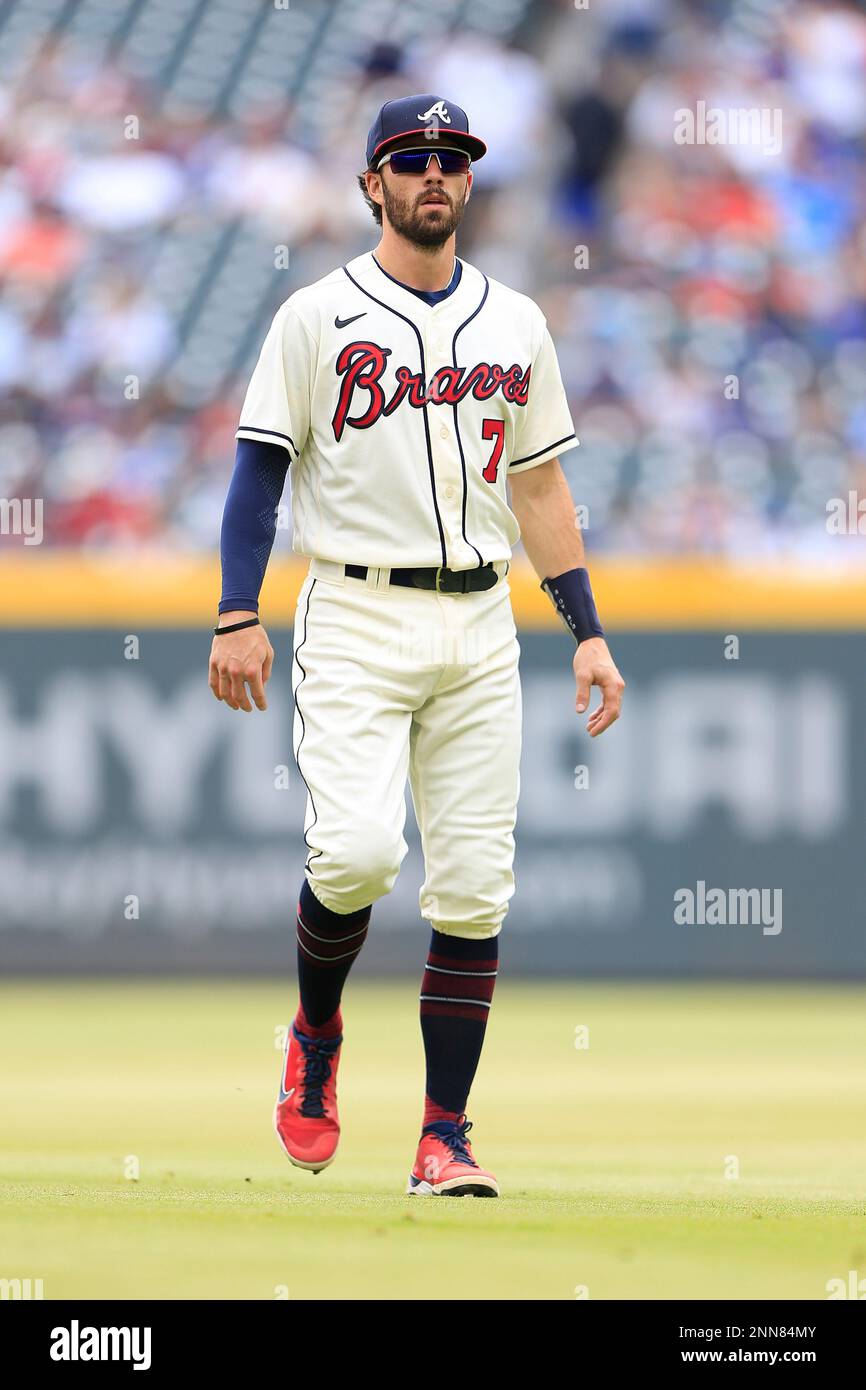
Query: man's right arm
[(271, 434), (249, 526)]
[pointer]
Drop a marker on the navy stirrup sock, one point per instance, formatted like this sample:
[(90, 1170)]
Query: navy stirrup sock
[(328, 943), (456, 994)]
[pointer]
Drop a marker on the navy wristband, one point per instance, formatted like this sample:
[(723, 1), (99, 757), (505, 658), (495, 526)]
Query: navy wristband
[(571, 596)]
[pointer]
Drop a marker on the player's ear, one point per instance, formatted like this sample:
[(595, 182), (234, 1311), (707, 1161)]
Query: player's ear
[(374, 186), (468, 185)]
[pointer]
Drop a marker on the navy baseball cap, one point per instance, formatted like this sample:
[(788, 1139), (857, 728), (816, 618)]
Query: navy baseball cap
[(426, 115)]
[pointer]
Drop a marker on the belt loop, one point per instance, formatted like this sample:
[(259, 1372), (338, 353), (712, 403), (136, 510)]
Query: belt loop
[(372, 580), (384, 579)]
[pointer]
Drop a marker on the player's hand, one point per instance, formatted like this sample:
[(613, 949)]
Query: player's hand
[(594, 665), (238, 660)]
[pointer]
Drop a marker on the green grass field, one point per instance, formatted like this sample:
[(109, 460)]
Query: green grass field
[(612, 1159)]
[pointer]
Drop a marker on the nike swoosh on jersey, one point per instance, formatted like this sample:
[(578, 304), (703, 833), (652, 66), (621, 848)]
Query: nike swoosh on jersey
[(344, 323)]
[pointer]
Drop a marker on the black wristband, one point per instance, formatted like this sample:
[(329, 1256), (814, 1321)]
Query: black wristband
[(236, 627), (571, 596)]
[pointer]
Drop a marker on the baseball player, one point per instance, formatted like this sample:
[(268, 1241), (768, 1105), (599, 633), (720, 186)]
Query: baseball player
[(405, 392)]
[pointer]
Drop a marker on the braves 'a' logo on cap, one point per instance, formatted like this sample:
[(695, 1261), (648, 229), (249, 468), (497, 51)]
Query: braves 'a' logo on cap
[(437, 109)]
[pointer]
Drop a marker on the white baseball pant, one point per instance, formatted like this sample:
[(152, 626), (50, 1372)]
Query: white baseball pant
[(390, 681)]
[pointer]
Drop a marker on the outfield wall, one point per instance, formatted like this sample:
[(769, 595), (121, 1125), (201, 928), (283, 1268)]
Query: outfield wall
[(143, 830)]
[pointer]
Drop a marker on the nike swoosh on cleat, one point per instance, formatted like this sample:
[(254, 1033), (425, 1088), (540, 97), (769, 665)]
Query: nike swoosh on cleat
[(286, 1095), (344, 323)]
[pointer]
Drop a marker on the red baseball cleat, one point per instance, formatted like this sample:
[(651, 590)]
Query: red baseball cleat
[(305, 1116), (444, 1166)]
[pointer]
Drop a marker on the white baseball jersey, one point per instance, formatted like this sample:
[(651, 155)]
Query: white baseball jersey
[(404, 419)]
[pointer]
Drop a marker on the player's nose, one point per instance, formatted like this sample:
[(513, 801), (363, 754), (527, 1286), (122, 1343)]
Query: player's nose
[(434, 181)]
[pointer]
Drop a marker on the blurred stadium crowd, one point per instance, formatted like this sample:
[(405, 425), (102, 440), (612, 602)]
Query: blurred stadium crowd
[(712, 335)]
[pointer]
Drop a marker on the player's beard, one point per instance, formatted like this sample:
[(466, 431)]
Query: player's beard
[(429, 230)]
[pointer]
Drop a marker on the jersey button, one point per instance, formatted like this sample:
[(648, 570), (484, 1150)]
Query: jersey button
[(449, 492), (444, 431)]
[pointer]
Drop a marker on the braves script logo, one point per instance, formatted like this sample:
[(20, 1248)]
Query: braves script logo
[(361, 366)]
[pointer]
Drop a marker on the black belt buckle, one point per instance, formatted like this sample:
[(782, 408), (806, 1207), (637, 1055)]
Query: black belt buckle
[(448, 581), (443, 580), (451, 581)]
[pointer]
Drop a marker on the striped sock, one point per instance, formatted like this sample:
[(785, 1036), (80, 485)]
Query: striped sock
[(328, 943), (455, 1001)]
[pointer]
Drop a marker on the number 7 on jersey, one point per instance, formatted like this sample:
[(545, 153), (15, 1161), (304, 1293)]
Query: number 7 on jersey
[(495, 430)]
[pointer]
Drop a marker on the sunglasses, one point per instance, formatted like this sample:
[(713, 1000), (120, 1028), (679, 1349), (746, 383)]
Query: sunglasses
[(451, 161)]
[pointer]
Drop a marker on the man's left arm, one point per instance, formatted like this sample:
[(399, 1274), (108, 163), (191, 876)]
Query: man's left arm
[(542, 503)]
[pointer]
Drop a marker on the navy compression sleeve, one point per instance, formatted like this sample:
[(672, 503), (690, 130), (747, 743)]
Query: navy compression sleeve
[(250, 522)]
